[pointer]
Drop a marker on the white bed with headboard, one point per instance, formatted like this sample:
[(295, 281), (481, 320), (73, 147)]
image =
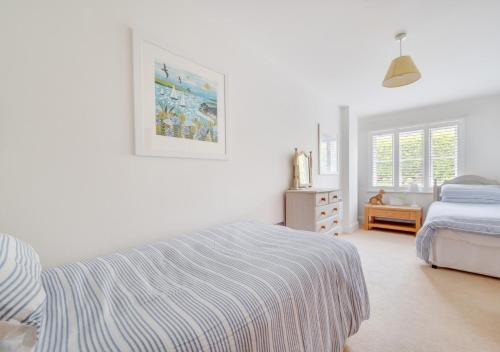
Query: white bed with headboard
[(455, 248)]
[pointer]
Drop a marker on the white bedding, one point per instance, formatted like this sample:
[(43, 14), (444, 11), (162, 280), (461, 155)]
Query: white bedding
[(466, 210), (462, 250)]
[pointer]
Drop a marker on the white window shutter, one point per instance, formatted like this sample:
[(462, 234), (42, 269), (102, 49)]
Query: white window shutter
[(383, 160), (411, 158), (443, 151)]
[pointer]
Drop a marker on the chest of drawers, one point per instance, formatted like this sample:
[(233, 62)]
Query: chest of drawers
[(318, 210)]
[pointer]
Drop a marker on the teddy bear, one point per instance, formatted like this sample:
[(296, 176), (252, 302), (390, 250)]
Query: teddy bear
[(377, 199)]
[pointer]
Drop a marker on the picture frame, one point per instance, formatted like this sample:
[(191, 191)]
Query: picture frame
[(179, 106), (328, 150)]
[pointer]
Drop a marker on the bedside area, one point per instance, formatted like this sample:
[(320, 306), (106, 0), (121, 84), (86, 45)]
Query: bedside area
[(392, 217)]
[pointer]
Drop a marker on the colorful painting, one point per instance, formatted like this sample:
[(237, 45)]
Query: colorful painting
[(179, 105), (186, 104)]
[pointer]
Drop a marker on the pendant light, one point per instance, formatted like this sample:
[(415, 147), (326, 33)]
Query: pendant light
[(402, 70)]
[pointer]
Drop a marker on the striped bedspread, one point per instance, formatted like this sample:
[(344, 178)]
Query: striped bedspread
[(239, 287)]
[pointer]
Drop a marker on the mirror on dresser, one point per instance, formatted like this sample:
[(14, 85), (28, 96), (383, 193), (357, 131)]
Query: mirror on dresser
[(302, 170)]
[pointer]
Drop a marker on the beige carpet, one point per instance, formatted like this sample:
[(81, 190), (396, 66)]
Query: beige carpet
[(417, 308)]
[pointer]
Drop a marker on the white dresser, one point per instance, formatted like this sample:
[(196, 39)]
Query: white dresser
[(312, 209)]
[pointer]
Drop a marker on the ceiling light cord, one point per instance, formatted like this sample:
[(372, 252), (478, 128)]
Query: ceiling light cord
[(400, 46)]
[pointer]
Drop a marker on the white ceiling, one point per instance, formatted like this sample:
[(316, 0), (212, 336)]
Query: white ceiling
[(342, 48)]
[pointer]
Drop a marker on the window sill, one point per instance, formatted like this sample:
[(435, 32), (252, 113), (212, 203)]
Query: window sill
[(400, 191)]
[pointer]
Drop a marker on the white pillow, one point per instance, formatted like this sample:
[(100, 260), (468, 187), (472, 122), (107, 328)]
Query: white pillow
[(481, 194), (22, 296), (16, 337)]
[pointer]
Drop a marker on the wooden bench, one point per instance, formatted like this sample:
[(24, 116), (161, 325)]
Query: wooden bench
[(392, 217)]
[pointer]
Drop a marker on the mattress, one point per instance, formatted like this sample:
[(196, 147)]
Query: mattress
[(470, 237), (453, 247), (466, 251), (239, 287), (482, 219)]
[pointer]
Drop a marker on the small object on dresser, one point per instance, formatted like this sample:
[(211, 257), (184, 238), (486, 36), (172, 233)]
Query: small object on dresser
[(377, 199)]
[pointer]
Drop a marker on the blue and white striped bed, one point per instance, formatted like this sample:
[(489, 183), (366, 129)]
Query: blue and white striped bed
[(239, 287)]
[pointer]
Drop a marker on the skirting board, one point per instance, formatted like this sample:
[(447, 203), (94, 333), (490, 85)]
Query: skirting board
[(351, 227), (361, 220)]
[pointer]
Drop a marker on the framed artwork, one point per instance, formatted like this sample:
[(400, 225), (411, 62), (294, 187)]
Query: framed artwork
[(179, 105), (328, 152)]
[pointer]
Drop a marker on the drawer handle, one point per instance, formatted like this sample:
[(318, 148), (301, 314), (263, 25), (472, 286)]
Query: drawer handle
[(323, 227), (323, 213), (335, 222), (336, 234), (335, 197), (335, 209), (323, 199)]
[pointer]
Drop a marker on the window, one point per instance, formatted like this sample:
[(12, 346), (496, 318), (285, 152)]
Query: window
[(443, 153), (411, 158), (403, 156), (382, 160)]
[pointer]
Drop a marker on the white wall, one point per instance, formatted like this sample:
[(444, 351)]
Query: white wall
[(482, 138), (349, 168), (69, 182)]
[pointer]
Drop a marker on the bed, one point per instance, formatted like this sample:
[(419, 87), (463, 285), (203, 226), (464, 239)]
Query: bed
[(463, 234), (238, 287)]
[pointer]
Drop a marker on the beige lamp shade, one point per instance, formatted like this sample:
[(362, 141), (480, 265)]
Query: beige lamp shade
[(401, 72)]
